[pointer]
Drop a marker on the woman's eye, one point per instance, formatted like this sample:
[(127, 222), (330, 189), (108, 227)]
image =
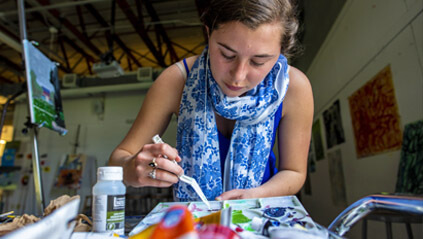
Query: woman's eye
[(228, 57), (254, 63)]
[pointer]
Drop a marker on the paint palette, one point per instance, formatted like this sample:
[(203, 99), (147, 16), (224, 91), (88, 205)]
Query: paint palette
[(287, 210)]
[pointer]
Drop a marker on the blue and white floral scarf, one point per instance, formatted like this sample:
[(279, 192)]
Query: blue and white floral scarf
[(251, 141)]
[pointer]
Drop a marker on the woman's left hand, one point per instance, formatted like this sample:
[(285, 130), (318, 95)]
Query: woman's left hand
[(237, 194)]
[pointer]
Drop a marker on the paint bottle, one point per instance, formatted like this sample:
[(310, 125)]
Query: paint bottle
[(109, 201), (263, 225)]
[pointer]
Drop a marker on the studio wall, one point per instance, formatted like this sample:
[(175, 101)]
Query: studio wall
[(367, 37)]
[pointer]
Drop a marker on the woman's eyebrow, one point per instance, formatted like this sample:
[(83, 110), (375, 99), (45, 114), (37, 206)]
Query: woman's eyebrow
[(232, 50), (227, 47)]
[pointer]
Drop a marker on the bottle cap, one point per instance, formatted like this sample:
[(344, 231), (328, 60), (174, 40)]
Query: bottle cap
[(110, 173)]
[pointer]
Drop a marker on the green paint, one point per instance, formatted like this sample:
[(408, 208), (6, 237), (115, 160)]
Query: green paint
[(238, 217)]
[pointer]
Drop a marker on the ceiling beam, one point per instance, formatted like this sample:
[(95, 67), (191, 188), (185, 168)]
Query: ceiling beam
[(110, 36), (138, 25), (71, 28), (12, 67), (6, 80), (63, 37), (78, 49), (51, 6), (81, 21), (160, 29), (19, 48), (62, 48), (10, 39), (193, 49)]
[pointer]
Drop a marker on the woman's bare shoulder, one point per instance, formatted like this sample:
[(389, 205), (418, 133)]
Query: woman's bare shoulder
[(299, 91), (191, 60), (297, 77), (298, 81)]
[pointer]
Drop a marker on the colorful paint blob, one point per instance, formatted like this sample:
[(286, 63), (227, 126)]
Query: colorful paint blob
[(275, 211)]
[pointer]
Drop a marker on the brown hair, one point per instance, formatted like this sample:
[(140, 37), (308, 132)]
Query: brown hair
[(254, 13)]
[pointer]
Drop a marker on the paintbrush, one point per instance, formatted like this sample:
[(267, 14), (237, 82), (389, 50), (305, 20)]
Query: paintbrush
[(184, 178)]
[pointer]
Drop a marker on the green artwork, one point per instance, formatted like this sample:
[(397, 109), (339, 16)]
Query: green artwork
[(317, 140), (410, 170), (44, 98)]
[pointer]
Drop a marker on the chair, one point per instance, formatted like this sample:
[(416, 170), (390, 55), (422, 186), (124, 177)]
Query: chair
[(400, 207), (388, 218), (410, 181)]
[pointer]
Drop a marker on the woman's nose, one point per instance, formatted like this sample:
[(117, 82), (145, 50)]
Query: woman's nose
[(239, 72)]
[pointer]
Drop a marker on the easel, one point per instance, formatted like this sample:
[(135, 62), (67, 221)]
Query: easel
[(38, 183), (32, 128)]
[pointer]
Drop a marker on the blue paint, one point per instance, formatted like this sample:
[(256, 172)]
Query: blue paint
[(275, 211)]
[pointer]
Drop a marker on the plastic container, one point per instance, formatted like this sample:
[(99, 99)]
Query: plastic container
[(178, 222), (109, 201)]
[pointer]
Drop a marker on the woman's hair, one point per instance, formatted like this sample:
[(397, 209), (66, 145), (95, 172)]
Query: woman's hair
[(254, 13)]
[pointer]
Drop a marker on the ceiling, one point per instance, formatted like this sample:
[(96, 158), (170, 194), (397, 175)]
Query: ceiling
[(78, 34), (137, 33)]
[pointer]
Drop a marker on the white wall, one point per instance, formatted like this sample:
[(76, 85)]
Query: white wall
[(367, 36), (99, 134)]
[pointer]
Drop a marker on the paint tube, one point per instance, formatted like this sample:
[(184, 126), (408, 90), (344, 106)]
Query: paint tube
[(263, 225)]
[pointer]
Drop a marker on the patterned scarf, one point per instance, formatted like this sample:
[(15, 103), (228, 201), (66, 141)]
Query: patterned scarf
[(197, 136)]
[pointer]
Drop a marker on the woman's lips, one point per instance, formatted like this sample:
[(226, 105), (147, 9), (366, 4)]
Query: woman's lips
[(233, 88)]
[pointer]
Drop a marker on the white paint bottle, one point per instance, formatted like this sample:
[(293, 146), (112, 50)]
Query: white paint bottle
[(109, 201)]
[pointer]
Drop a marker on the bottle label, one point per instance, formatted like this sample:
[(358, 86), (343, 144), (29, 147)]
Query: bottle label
[(109, 213)]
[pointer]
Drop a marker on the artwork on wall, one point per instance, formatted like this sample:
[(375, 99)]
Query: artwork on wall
[(375, 117), (337, 180), (333, 125), (9, 154), (70, 170), (410, 170), (317, 140)]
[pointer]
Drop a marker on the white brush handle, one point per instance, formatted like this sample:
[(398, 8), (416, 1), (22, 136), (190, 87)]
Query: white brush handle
[(184, 178)]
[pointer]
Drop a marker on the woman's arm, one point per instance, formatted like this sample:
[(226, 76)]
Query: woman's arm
[(136, 150), (294, 134)]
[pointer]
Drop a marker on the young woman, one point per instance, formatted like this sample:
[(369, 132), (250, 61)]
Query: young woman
[(231, 102)]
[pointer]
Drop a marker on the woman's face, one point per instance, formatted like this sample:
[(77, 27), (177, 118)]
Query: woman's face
[(240, 58)]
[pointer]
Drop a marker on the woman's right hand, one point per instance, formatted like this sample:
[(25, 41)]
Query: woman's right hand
[(140, 170)]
